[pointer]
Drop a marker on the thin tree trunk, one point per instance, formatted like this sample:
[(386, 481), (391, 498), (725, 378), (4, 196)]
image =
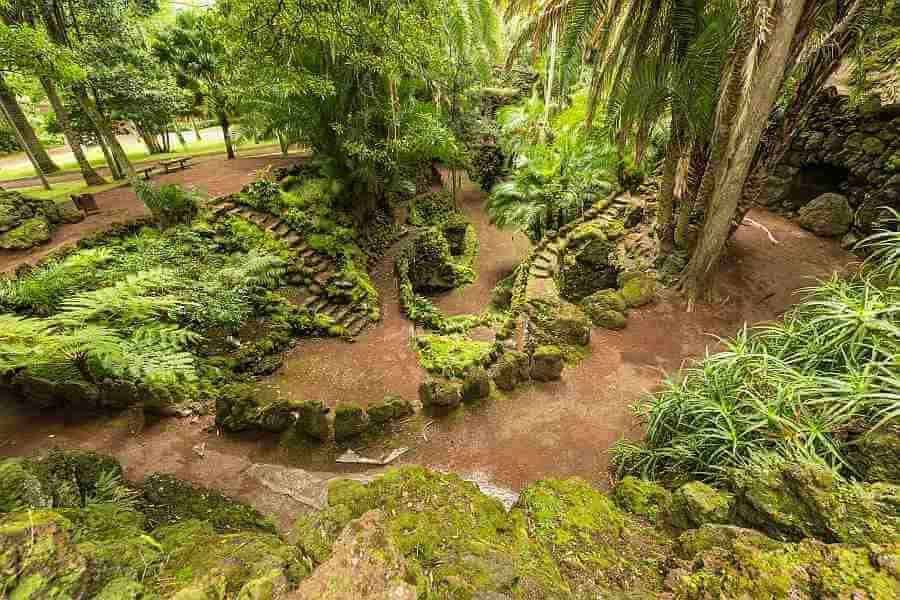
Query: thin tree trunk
[(283, 144), (757, 94), (25, 147), (196, 129), (114, 170), (149, 141), (179, 136), (105, 129), (551, 72), (91, 177), (665, 207), (19, 122), (226, 131)]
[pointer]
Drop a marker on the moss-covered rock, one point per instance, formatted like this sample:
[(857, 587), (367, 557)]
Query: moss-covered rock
[(72, 476), (349, 420), (19, 489), (28, 234), (827, 215), (546, 363), (430, 265), (792, 501), (239, 408), (876, 456), (637, 289), (695, 504), (389, 409), (512, 369), (38, 558), (312, 419), (364, 565), (438, 395), (729, 562), (606, 309), (125, 588), (476, 385), (201, 561), (597, 550), (641, 497), (167, 500), (552, 322)]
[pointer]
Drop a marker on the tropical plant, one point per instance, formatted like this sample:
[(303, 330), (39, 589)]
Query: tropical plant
[(170, 204), (808, 385)]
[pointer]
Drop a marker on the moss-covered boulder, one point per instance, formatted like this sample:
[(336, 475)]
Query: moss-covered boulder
[(876, 456), (439, 395), (38, 558), (730, 562), (598, 551), (349, 420), (792, 501), (19, 489), (389, 409), (637, 289), (125, 588), (828, 215), (476, 384), (606, 309), (546, 363), (512, 369), (364, 565), (239, 408), (641, 497), (202, 563), (167, 500), (312, 419), (429, 262), (695, 504), (28, 234), (552, 322)]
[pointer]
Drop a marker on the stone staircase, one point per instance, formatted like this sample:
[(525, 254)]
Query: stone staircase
[(545, 262), (311, 296)]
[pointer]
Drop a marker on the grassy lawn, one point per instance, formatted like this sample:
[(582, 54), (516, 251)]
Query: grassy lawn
[(135, 152), (61, 191)]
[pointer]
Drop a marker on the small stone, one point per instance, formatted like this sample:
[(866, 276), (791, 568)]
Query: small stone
[(434, 394), (392, 407), (637, 289), (546, 363), (641, 497), (349, 420), (511, 370), (312, 419), (477, 384)]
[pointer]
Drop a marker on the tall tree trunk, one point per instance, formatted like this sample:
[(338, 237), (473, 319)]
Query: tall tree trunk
[(91, 177), (105, 129), (149, 140), (21, 140), (114, 170), (819, 67), (226, 131), (758, 90), (283, 144), (19, 123)]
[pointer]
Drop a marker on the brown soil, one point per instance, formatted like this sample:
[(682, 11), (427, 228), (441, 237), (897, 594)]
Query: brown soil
[(559, 429), (214, 175)]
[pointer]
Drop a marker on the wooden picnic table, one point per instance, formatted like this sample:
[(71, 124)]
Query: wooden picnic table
[(145, 172), (170, 165)]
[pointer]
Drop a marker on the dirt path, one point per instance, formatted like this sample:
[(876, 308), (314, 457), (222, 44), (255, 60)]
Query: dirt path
[(214, 175), (558, 430)]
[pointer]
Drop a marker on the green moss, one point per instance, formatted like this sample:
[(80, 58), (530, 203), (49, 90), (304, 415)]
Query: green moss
[(438, 395), (19, 489), (312, 419), (547, 363), (432, 209), (124, 588), (72, 475), (232, 559), (511, 369), (349, 420), (166, 500), (450, 355), (553, 322), (28, 234), (38, 558), (694, 504), (597, 550), (637, 289), (641, 497), (876, 456), (392, 407)]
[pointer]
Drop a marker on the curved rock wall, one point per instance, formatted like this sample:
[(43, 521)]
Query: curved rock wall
[(851, 151)]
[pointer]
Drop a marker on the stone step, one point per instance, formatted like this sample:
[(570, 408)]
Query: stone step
[(291, 239), (275, 224), (305, 250), (543, 265), (319, 304), (541, 273), (315, 288), (330, 310), (235, 210), (355, 327), (309, 301), (322, 277), (341, 315), (220, 208), (281, 229)]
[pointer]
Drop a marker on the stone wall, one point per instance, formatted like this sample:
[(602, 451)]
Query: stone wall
[(853, 152)]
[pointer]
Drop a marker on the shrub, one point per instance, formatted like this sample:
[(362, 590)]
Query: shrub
[(169, 204)]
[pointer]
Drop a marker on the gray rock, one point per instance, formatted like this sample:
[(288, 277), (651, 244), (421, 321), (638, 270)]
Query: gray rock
[(829, 215)]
